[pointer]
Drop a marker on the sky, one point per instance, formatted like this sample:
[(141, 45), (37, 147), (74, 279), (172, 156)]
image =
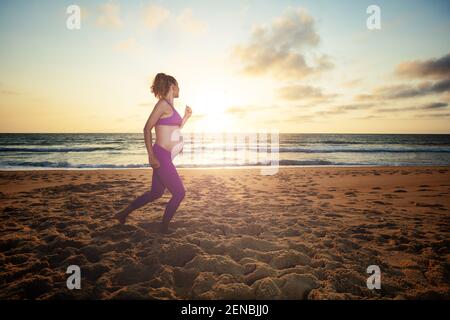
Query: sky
[(242, 66)]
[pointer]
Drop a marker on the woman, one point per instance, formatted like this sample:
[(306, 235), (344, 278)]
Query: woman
[(168, 144)]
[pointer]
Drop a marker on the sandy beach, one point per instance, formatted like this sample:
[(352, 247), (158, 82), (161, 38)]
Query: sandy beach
[(304, 233)]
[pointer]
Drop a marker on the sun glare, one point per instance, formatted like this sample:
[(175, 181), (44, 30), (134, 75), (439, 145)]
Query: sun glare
[(211, 105)]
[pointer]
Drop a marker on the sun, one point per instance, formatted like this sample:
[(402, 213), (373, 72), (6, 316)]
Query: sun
[(212, 100), (211, 105)]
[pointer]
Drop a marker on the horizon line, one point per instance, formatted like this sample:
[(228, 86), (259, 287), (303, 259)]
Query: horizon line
[(188, 132)]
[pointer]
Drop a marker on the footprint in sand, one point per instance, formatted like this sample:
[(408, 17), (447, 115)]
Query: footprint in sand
[(429, 205), (325, 196), (382, 202), (333, 215)]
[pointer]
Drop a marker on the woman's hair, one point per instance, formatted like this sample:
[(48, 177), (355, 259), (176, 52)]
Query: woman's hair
[(161, 84)]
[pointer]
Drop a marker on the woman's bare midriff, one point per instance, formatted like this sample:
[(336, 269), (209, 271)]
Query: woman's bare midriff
[(168, 136)]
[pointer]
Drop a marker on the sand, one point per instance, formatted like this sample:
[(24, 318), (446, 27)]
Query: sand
[(304, 233)]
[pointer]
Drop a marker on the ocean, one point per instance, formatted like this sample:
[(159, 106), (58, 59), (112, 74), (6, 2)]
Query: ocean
[(20, 151)]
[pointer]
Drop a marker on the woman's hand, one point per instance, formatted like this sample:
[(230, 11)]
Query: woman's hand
[(187, 115), (187, 112), (154, 162)]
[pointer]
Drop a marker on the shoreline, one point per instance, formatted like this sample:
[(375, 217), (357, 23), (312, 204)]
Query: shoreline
[(235, 167)]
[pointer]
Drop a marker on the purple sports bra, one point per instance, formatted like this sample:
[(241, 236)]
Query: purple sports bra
[(174, 120)]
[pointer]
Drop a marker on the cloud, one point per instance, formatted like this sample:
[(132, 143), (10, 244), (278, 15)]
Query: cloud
[(154, 16), (368, 117), (130, 45), (237, 110), (403, 91), (407, 91), (280, 48), (187, 22), (109, 16), (303, 92), (364, 96), (340, 109), (377, 112), (299, 118), (198, 117), (284, 113), (269, 114), (438, 68), (435, 105), (426, 107), (7, 91), (434, 115), (247, 110), (352, 83), (145, 104)]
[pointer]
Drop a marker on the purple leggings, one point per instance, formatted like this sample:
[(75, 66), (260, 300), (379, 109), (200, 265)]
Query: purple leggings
[(166, 176)]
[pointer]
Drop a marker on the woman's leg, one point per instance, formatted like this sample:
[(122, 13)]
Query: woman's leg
[(156, 191), (169, 177), (166, 176)]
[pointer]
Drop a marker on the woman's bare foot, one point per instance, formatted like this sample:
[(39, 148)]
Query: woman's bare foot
[(164, 228), (121, 216)]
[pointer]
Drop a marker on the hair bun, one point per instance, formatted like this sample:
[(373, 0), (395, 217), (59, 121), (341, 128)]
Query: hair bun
[(161, 84)]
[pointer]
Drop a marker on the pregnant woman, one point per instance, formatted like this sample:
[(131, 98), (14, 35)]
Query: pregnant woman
[(169, 143)]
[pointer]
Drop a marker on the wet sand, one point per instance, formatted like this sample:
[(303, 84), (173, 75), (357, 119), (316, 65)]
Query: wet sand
[(304, 233)]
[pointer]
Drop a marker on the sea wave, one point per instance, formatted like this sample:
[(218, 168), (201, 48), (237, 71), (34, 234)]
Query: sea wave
[(364, 150), (68, 165), (71, 149)]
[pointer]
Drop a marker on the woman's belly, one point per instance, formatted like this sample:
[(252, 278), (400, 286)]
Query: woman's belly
[(170, 138)]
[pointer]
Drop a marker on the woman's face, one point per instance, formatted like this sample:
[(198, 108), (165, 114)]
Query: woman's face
[(176, 90)]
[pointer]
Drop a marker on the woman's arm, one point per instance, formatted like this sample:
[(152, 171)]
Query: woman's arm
[(151, 121), (183, 122), (187, 115)]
